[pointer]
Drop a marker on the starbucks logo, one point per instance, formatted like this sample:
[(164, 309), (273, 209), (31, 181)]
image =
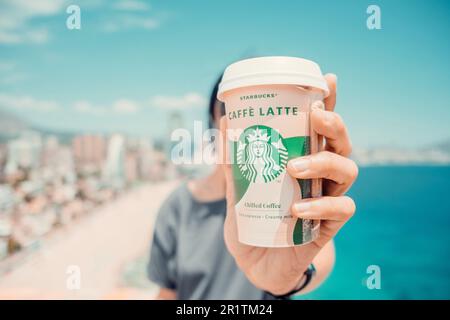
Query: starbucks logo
[(261, 154)]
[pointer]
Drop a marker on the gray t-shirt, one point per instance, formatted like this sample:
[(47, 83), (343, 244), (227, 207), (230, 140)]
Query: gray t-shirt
[(188, 253)]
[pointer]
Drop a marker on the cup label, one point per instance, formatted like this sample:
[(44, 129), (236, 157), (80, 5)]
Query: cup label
[(270, 129)]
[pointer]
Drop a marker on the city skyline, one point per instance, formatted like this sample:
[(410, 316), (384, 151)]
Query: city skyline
[(134, 62), (45, 184)]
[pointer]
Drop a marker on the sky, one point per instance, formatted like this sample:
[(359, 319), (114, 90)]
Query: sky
[(133, 62)]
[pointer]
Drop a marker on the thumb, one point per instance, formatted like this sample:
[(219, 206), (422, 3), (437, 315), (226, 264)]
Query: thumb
[(330, 101)]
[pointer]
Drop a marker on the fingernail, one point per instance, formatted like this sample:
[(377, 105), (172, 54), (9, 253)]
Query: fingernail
[(300, 164), (334, 76), (302, 206), (318, 105)]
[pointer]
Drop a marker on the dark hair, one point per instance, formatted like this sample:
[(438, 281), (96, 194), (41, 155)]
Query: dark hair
[(212, 103)]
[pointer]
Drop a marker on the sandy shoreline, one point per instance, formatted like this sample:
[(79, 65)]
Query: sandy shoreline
[(97, 246)]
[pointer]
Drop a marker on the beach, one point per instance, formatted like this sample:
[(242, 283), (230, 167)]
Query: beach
[(96, 247)]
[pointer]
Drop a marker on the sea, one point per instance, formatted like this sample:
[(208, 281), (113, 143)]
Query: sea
[(397, 245)]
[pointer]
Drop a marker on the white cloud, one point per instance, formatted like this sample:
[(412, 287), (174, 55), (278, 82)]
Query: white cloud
[(88, 108), (27, 103), (31, 36), (131, 5), (37, 36), (125, 22), (9, 73), (15, 17), (121, 106), (19, 21), (124, 106), (132, 14), (189, 100)]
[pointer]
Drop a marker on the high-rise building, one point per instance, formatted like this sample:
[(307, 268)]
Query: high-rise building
[(89, 151), (146, 158), (24, 152), (50, 151), (131, 166), (57, 157), (7, 199), (2, 161), (114, 169)]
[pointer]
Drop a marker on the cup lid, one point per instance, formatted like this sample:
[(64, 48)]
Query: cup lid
[(272, 70)]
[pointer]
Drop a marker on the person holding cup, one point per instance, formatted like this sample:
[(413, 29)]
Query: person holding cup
[(207, 244)]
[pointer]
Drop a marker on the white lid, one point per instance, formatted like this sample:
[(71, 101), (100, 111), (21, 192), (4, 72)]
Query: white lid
[(272, 70)]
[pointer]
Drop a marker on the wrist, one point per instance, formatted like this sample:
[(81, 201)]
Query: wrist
[(301, 284), (290, 279), (291, 285)]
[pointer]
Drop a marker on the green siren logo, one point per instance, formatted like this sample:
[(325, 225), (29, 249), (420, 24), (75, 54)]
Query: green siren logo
[(261, 154)]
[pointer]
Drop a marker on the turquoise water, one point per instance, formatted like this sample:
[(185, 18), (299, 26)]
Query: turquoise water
[(402, 225)]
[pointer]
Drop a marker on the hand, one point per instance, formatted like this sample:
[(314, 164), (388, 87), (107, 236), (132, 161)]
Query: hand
[(279, 270)]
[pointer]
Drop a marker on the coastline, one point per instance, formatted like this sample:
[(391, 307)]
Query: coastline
[(99, 254)]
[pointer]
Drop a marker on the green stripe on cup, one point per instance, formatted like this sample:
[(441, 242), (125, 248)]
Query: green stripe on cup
[(298, 147)]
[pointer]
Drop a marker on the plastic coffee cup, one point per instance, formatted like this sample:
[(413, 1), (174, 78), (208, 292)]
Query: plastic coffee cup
[(268, 102)]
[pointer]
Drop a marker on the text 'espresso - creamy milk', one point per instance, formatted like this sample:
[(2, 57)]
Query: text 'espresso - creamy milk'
[(268, 103)]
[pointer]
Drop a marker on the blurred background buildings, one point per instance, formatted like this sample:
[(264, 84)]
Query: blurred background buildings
[(46, 182)]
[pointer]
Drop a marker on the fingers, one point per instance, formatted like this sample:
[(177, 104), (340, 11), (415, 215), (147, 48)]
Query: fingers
[(332, 127), (330, 101), (326, 165), (325, 208)]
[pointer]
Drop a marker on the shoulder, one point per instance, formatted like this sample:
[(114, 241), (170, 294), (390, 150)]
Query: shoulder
[(175, 202), (179, 195)]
